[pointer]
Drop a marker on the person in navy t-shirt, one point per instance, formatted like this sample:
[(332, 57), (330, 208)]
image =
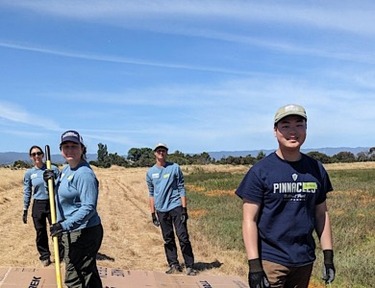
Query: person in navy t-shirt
[(284, 202)]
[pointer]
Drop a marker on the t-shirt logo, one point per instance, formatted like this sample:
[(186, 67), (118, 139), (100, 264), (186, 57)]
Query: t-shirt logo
[(295, 190)]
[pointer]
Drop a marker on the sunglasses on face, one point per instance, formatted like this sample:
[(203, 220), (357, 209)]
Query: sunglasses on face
[(161, 151), (36, 153)]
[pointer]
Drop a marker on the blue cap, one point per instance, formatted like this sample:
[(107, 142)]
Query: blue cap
[(71, 136)]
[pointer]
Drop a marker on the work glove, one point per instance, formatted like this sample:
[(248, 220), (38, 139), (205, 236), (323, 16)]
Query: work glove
[(48, 174), (24, 217), (329, 270), (257, 278), (155, 220), (184, 215), (55, 230)]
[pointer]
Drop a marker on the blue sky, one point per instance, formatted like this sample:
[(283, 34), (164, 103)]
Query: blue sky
[(200, 75)]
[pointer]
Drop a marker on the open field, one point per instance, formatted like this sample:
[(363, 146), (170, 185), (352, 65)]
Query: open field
[(130, 240)]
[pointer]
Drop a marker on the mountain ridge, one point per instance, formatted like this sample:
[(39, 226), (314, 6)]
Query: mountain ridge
[(329, 151)]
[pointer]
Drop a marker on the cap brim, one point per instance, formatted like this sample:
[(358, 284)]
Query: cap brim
[(157, 147), (70, 139)]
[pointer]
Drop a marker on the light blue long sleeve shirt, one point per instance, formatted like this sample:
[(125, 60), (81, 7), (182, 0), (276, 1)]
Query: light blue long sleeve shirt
[(34, 185), (166, 184), (77, 197)]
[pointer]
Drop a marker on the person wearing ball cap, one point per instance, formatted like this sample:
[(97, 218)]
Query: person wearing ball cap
[(284, 201), (71, 136), (78, 223), (168, 205), (287, 110)]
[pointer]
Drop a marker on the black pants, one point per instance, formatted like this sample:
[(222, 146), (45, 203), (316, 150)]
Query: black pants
[(41, 214), (168, 221)]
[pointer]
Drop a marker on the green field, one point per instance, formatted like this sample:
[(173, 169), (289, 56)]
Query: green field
[(351, 206)]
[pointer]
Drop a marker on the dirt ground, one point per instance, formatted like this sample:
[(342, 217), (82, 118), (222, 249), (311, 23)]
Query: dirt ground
[(130, 240)]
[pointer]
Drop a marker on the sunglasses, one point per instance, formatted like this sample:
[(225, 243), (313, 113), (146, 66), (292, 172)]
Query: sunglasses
[(161, 151), (36, 153)]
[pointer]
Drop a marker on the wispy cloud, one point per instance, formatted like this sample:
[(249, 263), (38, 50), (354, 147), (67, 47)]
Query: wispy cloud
[(323, 14), (222, 21), (194, 73), (114, 59), (14, 113)]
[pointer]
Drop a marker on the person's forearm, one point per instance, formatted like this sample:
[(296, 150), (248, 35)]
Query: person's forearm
[(152, 204), (250, 237), (323, 227), (183, 201), (326, 236)]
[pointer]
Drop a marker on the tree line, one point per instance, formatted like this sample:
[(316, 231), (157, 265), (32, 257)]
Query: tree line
[(144, 157)]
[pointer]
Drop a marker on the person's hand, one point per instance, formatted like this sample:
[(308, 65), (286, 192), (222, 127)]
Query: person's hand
[(184, 215), (24, 217), (329, 270), (48, 174), (55, 230), (257, 278), (155, 220)]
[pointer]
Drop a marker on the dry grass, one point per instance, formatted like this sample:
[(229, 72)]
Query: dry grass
[(355, 165), (130, 240)]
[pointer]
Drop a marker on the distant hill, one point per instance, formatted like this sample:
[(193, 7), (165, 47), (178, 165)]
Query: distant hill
[(328, 151), (7, 158)]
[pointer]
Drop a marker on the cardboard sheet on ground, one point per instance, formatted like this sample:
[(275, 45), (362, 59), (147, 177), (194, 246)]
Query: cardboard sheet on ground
[(117, 278)]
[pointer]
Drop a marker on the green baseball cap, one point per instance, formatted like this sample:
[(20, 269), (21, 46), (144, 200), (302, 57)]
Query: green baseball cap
[(290, 109)]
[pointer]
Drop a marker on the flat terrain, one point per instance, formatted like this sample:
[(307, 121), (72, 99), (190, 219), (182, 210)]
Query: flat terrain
[(130, 240)]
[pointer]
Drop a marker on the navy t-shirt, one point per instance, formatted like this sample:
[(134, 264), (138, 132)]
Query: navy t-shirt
[(287, 193)]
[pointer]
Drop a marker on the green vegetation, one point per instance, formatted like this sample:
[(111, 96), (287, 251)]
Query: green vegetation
[(352, 212), (144, 157)]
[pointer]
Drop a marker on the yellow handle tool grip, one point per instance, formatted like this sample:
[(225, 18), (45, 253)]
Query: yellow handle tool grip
[(55, 239)]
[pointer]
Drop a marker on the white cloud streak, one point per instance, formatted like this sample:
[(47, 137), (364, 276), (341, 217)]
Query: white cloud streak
[(336, 15), (14, 113)]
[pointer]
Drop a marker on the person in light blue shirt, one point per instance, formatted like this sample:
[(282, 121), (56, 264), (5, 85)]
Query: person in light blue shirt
[(167, 200), (77, 191), (34, 190)]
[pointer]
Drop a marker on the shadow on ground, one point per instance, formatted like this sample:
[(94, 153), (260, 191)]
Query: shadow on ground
[(101, 256), (202, 266)]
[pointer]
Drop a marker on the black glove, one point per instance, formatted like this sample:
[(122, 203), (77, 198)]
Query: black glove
[(329, 270), (155, 219), (55, 230), (184, 215), (257, 278), (24, 217), (48, 174)]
